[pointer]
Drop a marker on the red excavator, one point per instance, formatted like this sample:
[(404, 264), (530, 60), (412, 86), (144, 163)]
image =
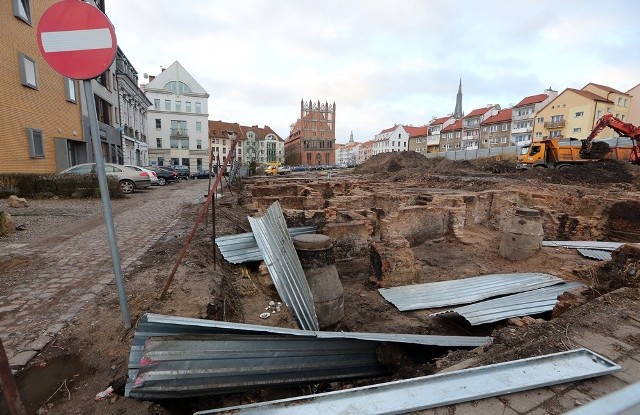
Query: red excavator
[(620, 127)]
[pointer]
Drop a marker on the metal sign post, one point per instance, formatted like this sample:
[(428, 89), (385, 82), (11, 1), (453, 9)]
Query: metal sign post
[(78, 41)]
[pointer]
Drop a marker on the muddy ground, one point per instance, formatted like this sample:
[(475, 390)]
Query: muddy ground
[(203, 289)]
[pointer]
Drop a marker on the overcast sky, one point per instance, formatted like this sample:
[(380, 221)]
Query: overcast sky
[(382, 62)]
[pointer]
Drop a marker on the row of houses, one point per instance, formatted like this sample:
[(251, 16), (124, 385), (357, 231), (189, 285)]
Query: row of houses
[(571, 113)]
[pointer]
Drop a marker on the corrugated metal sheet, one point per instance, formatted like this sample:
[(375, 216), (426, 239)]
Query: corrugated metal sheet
[(285, 269), (466, 290), (179, 367), (625, 401), (595, 254), (603, 246), (516, 305), (155, 328), (241, 248), (411, 395)]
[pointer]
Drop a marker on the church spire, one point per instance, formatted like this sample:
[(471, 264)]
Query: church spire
[(457, 113), (351, 137)]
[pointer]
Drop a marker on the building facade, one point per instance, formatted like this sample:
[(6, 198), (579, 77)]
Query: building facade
[(523, 116), (177, 121), (391, 139), (574, 112), (312, 138), (495, 130), (417, 138), (450, 136), (40, 115), (262, 145), (365, 150), (634, 105), (133, 104), (471, 126)]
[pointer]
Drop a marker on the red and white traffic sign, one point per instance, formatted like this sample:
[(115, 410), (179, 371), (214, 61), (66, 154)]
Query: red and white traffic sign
[(77, 39)]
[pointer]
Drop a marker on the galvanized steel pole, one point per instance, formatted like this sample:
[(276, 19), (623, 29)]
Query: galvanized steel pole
[(106, 201)]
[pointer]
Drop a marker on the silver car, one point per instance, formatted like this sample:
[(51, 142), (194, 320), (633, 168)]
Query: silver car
[(130, 179)]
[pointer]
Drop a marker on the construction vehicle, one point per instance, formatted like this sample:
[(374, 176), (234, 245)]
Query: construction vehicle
[(551, 153)]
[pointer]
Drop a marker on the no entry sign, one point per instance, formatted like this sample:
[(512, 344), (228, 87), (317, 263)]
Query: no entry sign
[(76, 39)]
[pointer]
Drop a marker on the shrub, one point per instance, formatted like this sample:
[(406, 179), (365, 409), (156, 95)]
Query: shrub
[(62, 185)]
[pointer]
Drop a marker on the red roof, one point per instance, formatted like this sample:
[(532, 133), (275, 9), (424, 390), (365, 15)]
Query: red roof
[(500, 117), (589, 95), (440, 120), (477, 112), (453, 127), (604, 87), (416, 131), (387, 130), (533, 99)]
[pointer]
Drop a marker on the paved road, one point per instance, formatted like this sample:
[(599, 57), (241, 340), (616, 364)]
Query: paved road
[(64, 272)]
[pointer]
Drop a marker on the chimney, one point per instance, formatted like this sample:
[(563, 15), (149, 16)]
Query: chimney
[(151, 78)]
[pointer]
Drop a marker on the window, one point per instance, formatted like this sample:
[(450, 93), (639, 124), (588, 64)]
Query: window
[(28, 71), (22, 10), (199, 144), (504, 127), (557, 118), (622, 117), (36, 143), (538, 135), (174, 143), (198, 108), (493, 128), (579, 113), (577, 130), (158, 124), (626, 102), (198, 126), (160, 161), (177, 87), (599, 114), (187, 106), (619, 102), (70, 89), (540, 120), (156, 104), (178, 106), (504, 140), (158, 142), (184, 143), (555, 133), (167, 105)]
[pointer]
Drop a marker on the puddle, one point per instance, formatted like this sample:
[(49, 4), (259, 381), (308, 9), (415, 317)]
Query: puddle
[(37, 384)]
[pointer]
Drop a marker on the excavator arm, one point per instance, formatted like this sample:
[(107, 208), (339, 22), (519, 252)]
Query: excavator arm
[(617, 125)]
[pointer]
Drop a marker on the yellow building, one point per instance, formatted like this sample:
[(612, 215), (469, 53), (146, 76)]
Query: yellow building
[(40, 116), (574, 112)]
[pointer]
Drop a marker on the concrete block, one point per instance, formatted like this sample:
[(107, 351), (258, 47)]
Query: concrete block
[(526, 401), (606, 346), (22, 358)]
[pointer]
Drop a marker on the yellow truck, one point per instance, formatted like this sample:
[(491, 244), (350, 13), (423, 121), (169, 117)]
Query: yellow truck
[(551, 153)]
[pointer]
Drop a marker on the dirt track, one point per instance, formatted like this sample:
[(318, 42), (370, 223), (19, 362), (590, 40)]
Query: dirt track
[(584, 203)]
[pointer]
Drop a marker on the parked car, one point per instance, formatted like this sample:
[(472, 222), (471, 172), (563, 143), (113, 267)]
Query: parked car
[(128, 178), (165, 174), (271, 170), (183, 171), (284, 170), (299, 168), (201, 174), (152, 174)]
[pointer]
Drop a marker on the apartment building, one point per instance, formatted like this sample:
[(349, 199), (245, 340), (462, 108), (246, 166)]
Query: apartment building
[(133, 104), (365, 150), (312, 138), (435, 127), (177, 121), (262, 145), (417, 138), (450, 136), (40, 115), (390, 140), (470, 134), (574, 112), (634, 105), (523, 116), (495, 130)]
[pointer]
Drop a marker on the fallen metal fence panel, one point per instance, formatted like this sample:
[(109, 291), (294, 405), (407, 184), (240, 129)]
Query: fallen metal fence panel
[(158, 328), (602, 245), (625, 401), (598, 254), (441, 389), (241, 248), (516, 305), (285, 269), (463, 291)]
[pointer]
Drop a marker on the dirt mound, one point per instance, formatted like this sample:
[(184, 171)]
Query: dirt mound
[(395, 161), (600, 172)]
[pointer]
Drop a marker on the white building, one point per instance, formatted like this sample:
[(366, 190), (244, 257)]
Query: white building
[(133, 113), (347, 154), (178, 119), (523, 115), (390, 140)]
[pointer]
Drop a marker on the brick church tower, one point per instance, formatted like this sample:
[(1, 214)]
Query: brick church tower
[(312, 138)]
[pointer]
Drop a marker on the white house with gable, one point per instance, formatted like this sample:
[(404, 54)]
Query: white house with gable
[(391, 139), (177, 130)]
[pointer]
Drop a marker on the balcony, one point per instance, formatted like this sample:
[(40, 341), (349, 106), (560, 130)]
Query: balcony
[(433, 140), (550, 125), (523, 130), (523, 117), (179, 132)]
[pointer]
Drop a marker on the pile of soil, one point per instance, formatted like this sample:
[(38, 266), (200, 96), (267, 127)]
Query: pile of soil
[(396, 161), (600, 172)]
